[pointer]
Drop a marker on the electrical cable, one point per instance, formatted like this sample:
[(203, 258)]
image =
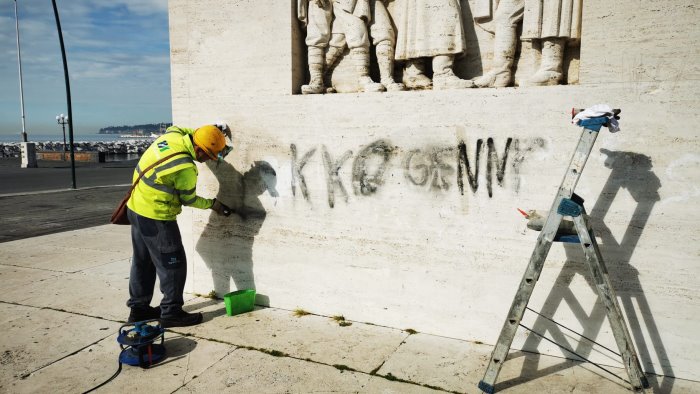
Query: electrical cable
[(106, 381)]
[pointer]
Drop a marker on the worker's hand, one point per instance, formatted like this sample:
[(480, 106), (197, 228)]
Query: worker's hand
[(220, 209), (321, 3)]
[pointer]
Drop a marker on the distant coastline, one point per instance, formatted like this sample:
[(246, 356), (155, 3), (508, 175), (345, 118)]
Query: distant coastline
[(58, 138), (136, 131)]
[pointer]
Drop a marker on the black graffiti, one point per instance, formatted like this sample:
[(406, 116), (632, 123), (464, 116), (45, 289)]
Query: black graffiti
[(297, 167), (333, 179), (364, 180), (521, 149), (494, 162), (463, 162), (419, 167)]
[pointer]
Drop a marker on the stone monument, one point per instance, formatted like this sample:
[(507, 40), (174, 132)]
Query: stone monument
[(400, 208)]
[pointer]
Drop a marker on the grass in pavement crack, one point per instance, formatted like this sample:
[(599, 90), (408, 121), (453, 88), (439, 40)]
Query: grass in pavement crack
[(300, 312)]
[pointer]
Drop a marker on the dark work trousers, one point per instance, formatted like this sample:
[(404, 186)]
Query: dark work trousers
[(158, 251)]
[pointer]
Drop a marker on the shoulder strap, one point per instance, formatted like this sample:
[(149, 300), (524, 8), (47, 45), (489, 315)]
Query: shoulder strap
[(153, 165)]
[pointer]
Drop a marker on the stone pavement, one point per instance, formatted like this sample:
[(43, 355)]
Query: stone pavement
[(62, 302)]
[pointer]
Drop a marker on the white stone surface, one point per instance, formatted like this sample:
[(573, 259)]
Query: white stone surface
[(34, 338), (45, 350), (462, 363), (28, 153), (431, 258), (358, 346), (88, 250), (93, 365), (239, 372)]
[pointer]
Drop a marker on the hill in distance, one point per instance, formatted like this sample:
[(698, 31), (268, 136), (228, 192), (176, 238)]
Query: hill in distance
[(140, 129)]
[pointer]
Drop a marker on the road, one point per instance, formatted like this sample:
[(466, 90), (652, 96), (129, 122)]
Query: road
[(56, 175), (39, 201)]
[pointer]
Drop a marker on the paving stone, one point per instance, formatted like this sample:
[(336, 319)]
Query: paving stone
[(457, 365), (36, 338), (248, 371), (361, 347), (66, 258), (90, 367)]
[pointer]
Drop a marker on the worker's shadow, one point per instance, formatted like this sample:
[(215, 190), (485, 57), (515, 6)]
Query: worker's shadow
[(226, 243), (631, 171)]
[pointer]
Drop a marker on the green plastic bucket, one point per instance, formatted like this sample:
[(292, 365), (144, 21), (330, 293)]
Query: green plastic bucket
[(240, 301)]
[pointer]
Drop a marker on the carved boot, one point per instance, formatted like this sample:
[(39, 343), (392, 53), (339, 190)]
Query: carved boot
[(494, 79), (332, 56), (385, 59), (414, 75), (501, 73), (443, 76), (550, 72), (360, 58), (316, 61)]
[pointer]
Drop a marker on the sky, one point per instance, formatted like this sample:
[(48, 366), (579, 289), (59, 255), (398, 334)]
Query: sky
[(118, 55)]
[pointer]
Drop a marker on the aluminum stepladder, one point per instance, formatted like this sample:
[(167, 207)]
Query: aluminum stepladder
[(567, 203)]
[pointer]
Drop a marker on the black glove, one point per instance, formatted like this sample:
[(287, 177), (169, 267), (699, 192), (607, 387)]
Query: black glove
[(220, 208)]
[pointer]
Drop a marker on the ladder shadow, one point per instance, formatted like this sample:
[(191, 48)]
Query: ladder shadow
[(631, 171)]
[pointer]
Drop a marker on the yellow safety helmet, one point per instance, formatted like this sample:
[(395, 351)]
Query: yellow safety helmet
[(210, 139)]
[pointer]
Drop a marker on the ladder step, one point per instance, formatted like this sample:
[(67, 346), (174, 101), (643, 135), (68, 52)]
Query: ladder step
[(567, 238)]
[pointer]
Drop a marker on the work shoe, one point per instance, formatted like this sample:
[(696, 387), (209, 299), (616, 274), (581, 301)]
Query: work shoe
[(143, 313), (182, 319)]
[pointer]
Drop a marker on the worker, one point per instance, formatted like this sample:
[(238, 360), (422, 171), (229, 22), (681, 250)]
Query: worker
[(153, 207)]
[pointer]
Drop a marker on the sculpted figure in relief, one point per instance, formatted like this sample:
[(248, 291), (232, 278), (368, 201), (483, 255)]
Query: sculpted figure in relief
[(383, 36), (331, 25), (552, 22), (429, 29)]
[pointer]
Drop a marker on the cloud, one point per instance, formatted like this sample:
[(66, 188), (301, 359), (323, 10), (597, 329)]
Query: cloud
[(137, 7), (117, 50)]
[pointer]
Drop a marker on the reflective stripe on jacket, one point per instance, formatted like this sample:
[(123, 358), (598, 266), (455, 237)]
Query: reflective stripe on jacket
[(163, 190)]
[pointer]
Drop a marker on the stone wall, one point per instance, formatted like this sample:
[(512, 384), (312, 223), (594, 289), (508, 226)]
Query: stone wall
[(400, 208), (92, 157)]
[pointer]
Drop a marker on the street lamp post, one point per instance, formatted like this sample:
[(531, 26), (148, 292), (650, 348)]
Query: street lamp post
[(27, 148), (62, 120), (69, 118), (19, 64)]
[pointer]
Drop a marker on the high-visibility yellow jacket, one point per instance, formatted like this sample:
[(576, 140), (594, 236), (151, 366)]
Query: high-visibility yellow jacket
[(163, 190)]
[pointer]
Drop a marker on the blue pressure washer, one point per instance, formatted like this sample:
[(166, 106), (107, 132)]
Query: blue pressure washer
[(137, 343), (138, 347)]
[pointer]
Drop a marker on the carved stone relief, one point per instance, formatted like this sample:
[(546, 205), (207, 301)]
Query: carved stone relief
[(550, 24), (332, 26), (413, 39)]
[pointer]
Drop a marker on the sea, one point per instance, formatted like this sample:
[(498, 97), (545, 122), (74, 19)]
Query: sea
[(31, 137)]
